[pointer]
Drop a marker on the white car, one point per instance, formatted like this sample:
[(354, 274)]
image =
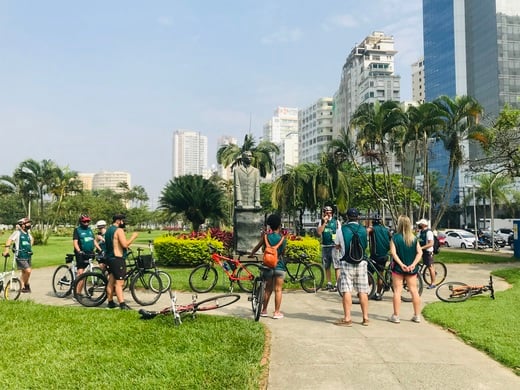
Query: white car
[(504, 233), (460, 239)]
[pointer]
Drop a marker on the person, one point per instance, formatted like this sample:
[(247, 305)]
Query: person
[(352, 275), (84, 243), (23, 242), (327, 228), (247, 183), (101, 227), (276, 276), (406, 254), (116, 245), (426, 241), (379, 240)]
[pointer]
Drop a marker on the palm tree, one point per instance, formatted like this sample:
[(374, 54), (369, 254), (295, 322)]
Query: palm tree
[(197, 198), (65, 182), (231, 154)]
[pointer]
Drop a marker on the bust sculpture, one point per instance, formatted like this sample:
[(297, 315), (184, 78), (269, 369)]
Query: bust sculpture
[(247, 184)]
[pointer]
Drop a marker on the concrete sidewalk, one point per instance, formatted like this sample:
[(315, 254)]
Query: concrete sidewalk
[(309, 352)]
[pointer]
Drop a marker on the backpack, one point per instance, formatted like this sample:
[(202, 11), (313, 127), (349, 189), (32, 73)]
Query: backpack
[(436, 245), (356, 253), (270, 258)]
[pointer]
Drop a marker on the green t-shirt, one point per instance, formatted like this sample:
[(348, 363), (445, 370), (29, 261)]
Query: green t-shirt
[(406, 253), (328, 232)]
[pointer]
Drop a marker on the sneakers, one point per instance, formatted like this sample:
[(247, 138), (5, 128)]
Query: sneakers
[(378, 297), (124, 306), (395, 319), (331, 288), (111, 305), (431, 286), (416, 319), (26, 289), (277, 316), (263, 314)]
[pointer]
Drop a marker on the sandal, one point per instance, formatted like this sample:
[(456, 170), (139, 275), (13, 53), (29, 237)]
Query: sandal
[(342, 322), (365, 322)]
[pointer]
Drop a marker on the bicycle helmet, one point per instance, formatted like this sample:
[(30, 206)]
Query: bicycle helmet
[(84, 218), (101, 224), (327, 208), (376, 219), (23, 221)]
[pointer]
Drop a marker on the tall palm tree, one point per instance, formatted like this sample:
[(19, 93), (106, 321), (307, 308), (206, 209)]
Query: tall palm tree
[(65, 182), (197, 198), (231, 154)]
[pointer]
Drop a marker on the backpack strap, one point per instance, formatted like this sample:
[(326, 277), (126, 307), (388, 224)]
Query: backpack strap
[(273, 246)]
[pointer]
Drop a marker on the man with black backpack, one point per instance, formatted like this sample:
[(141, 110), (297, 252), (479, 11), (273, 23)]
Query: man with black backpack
[(426, 239), (352, 240)]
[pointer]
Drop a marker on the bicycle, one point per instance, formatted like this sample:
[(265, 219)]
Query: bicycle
[(148, 262), (10, 285), (310, 275), (204, 277), (145, 284), (65, 275), (459, 292), (258, 293), (441, 271), (177, 310)]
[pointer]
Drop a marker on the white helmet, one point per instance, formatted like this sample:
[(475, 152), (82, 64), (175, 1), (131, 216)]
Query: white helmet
[(101, 224)]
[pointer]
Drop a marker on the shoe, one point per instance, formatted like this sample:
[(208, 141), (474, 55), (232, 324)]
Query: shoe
[(431, 286), (378, 297), (124, 306), (278, 316), (332, 289), (416, 319), (365, 322), (395, 319), (25, 290), (342, 322), (263, 314), (111, 305), (329, 287)]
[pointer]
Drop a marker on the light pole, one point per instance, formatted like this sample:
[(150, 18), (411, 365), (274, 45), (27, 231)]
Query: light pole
[(491, 211), (475, 215)]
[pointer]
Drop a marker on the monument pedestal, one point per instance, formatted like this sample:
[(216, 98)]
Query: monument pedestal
[(247, 229)]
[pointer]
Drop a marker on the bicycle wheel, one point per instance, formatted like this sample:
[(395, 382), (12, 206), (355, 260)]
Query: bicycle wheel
[(372, 286), (90, 289), (203, 278), (146, 287), (440, 273), (251, 271), (62, 281), (312, 278), (12, 289), (216, 302), (257, 297), (406, 296), (166, 281), (453, 292)]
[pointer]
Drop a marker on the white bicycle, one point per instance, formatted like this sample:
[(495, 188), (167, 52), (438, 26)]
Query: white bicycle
[(10, 285)]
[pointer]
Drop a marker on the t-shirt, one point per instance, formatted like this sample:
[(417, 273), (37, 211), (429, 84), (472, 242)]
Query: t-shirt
[(346, 234), (22, 242), (406, 253), (85, 237), (274, 238), (329, 231), (381, 236), (425, 236)]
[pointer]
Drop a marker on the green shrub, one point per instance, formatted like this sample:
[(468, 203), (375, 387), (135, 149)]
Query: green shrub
[(174, 251), (298, 245)]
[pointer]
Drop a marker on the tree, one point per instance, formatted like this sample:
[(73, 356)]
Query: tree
[(197, 198)]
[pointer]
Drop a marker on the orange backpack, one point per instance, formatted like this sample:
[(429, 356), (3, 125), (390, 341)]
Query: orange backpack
[(270, 258)]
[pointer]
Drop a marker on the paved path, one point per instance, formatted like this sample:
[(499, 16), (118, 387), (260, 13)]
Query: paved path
[(309, 352)]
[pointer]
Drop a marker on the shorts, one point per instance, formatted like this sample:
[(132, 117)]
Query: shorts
[(273, 273), (427, 258), (117, 267), (353, 277), (380, 262), (23, 263), (82, 259), (326, 256)]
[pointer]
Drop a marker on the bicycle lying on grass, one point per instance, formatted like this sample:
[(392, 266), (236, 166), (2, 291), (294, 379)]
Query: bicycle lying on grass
[(177, 311), (10, 285), (204, 277), (459, 292)]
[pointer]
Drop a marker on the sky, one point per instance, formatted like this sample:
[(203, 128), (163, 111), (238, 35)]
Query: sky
[(102, 85)]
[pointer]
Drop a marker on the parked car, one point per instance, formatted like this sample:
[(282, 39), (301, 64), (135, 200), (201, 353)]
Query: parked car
[(497, 239), (460, 239), (504, 233)]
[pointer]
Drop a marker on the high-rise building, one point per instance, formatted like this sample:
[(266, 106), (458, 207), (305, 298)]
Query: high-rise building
[(105, 180), (283, 122), (288, 155), (189, 154), (418, 81), (225, 173), (315, 130), (367, 76)]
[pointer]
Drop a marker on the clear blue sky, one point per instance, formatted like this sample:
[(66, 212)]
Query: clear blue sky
[(102, 85)]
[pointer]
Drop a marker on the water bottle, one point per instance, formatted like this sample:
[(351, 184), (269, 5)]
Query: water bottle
[(226, 266)]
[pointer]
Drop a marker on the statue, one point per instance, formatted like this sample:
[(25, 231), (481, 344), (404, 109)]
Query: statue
[(247, 184)]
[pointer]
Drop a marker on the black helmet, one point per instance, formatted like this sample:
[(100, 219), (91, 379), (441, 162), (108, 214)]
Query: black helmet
[(376, 218)]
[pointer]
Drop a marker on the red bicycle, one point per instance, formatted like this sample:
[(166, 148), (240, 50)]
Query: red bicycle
[(204, 277)]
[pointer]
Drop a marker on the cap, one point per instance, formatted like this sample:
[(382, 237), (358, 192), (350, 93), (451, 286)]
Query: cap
[(327, 208), (422, 222), (23, 221), (352, 212), (101, 223)]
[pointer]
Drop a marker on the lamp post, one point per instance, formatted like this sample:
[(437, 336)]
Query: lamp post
[(475, 215), (491, 211)]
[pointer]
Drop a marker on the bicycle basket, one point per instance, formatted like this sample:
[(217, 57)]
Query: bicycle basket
[(145, 261)]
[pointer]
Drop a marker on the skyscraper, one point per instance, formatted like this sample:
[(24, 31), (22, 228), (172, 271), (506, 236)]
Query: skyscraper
[(315, 130), (189, 154)]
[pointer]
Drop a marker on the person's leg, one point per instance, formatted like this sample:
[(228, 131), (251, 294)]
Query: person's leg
[(26, 274), (397, 285), (118, 287), (267, 293), (363, 302), (411, 282), (278, 286)]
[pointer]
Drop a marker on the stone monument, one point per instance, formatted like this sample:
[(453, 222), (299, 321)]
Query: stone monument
[(248, 219)]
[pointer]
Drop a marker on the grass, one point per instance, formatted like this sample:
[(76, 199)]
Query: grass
[(91, 348), (489, 325)]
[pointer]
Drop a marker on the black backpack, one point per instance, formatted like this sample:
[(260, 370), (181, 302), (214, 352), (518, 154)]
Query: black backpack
[(436, 245), (355, 253)]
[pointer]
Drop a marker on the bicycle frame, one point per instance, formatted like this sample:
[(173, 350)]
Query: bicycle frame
[(9, 278), (236, 265), (296, 277)]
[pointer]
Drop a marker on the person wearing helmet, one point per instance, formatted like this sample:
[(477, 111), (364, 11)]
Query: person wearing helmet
[(84, 243), (327, 228), (379, 242), (101, 228), (23, 242)]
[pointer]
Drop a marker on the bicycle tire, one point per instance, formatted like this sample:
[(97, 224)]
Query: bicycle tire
[(203, 278), (257, 297), (216, 302), (406, 296), (90, 289), (166, 281), (62, 281), (372, 286), (445, 292), (146, 287), (12, 289), (312, 278), (246, 285), (440, 273)]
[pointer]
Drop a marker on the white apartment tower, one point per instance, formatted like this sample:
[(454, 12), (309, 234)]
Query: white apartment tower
[(225, 173), (315, 130), (288, 154), (189, 154), (418, 81), (367, 76), (283, 122)]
